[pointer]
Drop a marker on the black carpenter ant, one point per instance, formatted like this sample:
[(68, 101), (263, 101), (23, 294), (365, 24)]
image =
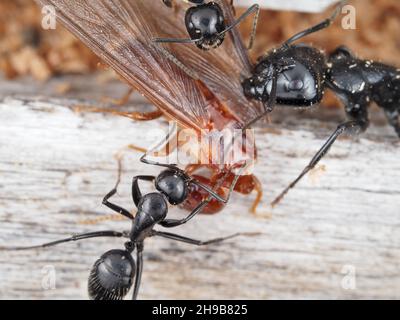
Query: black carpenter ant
[(113, 274), (205, 24), (297, 75)]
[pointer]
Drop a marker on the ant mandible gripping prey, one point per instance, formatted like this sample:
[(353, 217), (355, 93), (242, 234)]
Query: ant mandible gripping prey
[(297, 75), (205, 24), (114, 273)]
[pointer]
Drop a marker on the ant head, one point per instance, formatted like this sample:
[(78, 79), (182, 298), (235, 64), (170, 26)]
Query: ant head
[(205, 22), (111, 276), (174, 185)]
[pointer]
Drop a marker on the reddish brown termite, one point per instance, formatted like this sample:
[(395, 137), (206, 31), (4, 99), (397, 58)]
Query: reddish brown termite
[(199, 90)]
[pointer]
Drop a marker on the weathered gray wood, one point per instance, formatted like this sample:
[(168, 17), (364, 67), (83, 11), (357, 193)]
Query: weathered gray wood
[(56, 165)]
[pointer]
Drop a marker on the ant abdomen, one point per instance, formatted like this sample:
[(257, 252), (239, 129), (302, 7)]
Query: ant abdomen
[(111, 276)]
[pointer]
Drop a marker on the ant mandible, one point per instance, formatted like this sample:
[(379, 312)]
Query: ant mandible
[(297, 75), (205, 24)]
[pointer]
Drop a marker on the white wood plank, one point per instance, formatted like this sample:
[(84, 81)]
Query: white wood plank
[(56, 165)]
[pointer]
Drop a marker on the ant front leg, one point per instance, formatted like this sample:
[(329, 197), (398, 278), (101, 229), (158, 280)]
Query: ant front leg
[(320, 26), (254, 8), (170, 223), (113, 206), (136, 193)]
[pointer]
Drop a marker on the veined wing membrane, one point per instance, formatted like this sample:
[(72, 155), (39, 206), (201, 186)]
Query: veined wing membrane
[(119, 32), (221, 69)]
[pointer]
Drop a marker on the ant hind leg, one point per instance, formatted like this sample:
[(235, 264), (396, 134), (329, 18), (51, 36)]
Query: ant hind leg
[(76, 237), (359, 124)]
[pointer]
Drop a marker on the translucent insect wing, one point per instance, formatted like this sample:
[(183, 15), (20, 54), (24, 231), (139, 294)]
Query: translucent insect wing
[(221, 69), (120, 32)]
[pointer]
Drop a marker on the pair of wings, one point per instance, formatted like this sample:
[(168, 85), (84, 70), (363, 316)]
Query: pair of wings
[(120, 32)]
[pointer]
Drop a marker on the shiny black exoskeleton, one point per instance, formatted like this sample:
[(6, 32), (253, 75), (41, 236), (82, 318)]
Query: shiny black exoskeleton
[(116, 271), (303, 73), (358, 83), (205, 24), (299, 72), (298, 75)]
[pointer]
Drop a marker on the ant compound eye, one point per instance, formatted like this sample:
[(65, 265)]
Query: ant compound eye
[(111, 276)]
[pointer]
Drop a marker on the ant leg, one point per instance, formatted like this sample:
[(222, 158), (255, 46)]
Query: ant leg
[(170, 223), (322, 25), (245, 184), (254, 8), (139, 269), (113, 206), (175, 60), (170, 137), (136, 194), (156, 163), (233, 184), (76, 237), (342, 128), (211, 192), (177, 237), (393, 117)]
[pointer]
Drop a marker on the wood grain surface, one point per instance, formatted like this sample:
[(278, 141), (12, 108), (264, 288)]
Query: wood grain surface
[(335, 236)]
